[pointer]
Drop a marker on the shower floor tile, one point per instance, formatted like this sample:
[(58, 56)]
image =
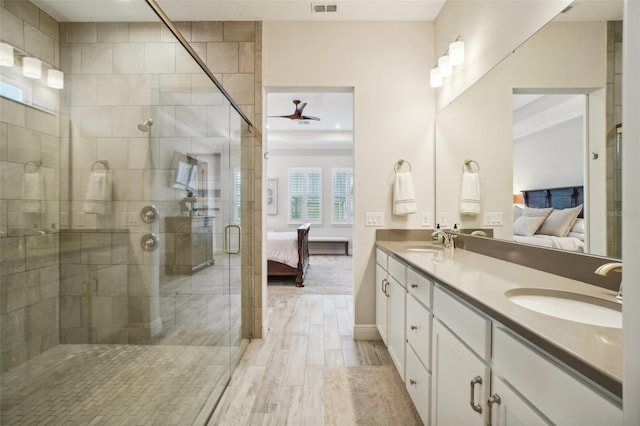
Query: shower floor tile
[(113, 384)]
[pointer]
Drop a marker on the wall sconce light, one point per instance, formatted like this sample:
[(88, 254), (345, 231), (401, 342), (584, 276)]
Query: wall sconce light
[(31, 67), (6, 55), (55, 79), (518, 199), (454, 56)]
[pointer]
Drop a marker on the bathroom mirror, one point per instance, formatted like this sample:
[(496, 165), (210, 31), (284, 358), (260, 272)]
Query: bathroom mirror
[(575, 58)]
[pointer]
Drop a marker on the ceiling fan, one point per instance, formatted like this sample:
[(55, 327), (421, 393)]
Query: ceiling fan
[(297, 114)]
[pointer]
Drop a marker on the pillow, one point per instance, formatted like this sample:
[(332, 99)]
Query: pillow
[(559, 222), (578, 226), (578, 235), (526, 226), (535, 212), (517, 212)]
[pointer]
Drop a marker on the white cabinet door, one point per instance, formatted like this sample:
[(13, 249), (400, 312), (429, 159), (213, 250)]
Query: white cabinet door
[(508, 409), (382, 302), (460, 380), (397, 311)]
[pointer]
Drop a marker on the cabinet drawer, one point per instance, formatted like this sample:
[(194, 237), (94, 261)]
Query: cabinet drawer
[(419, 330), (535, 376), (420, 287), (381, 258), (468, 324), (418, 385), (398, 271)]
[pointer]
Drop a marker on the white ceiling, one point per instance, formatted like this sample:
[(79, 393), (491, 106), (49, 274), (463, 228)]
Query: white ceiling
[(242, 10)]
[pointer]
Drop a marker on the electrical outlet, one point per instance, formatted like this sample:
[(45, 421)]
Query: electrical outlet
[(493, 218), (426, 219), (374, 219), (442, 219)]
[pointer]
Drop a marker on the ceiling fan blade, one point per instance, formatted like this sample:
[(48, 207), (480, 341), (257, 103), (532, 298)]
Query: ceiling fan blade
[(301, 107), (308, 117)]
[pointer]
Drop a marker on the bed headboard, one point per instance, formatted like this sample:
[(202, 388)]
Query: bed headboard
[(558, 198)]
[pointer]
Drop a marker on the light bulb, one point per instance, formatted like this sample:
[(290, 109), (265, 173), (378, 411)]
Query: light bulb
[(6, 55), (55, 79), (31, 67), (435, 79), (445, 66), (456, 52)]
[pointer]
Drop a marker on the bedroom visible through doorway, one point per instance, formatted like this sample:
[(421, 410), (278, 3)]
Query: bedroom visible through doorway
[(308, 179)]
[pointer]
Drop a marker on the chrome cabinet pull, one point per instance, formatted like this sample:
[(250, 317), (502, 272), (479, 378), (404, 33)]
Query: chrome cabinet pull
[(386, 284), (383, 286), (472, 394), (493, 399)]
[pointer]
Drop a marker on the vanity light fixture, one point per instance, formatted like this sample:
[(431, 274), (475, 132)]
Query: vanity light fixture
[(454, 56), (31, 67), (55, 79), (6, 55)]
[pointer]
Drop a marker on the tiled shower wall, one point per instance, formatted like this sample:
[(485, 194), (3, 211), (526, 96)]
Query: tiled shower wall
[(614, 117), (29, 241)]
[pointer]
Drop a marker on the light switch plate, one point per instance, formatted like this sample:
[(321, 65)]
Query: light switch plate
[(493, 218), (374, 219), (426, 220)]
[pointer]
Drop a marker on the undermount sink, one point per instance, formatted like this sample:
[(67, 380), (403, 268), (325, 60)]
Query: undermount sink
[(423, 248), (569, 306)]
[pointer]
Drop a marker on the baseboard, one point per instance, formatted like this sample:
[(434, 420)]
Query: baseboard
[(365, 332)]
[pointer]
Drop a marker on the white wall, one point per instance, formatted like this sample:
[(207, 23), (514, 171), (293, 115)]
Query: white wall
[(387, 64), (277, 168), (631, 206), (478, 124), (490, 30), (551, 158)]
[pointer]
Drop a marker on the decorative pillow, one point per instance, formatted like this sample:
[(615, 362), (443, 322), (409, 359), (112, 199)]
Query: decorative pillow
[(559, 222), (535, 212), (578, 226), (517, 212), (526, 226)]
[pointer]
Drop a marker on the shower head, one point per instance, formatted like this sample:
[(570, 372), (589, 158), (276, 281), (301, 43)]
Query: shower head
[(144, 127)]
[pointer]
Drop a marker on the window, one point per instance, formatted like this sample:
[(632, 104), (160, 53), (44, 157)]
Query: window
[(305, 195), (342, 208)]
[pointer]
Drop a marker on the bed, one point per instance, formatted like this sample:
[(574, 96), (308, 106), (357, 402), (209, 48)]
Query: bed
[(288, 253), (556, 218)]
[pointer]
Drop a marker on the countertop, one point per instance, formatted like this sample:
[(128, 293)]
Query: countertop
[(594, 351)]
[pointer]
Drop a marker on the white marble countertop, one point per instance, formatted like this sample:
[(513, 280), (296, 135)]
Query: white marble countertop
[(594, 351)]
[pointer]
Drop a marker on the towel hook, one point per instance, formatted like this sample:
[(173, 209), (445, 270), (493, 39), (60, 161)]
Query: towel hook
[(468, 163), (399, 164), (36, 164), (104, 163)]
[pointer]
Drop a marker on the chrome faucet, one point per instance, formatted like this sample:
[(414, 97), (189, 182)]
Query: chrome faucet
[(608, 267), (448, 238), (479, 234)]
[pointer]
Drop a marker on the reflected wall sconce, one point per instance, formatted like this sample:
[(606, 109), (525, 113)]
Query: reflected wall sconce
[(454, 56), (518, 199), (31, 67), (7, 58)]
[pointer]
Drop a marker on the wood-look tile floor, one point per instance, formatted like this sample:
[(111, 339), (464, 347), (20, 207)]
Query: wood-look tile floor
[(279, 380)]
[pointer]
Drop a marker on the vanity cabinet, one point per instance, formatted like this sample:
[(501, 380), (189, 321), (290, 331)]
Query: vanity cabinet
[(461, 373), (192, 248), (391, 307), (507, 408)]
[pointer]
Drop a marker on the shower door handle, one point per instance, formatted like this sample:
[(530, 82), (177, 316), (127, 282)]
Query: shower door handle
[(226, 239)]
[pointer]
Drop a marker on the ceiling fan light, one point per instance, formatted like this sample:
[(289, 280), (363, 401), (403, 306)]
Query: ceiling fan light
[(435, 79), (456, 53), (444, 63)]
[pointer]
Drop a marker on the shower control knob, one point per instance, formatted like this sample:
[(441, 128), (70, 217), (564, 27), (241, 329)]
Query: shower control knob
[(149, 242), (149, 214)]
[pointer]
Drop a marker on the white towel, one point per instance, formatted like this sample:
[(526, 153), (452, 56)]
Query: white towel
[(33, 193), (470, 193), (99, 192), (404, 197)]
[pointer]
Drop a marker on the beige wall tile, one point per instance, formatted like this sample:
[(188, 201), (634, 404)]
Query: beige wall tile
[(49, 26), (71, 58), (38, 44), (70, 312), (115, 151), (113, 32), (101, 311), (127, 185), (206, 31), (11, 29), (239, 31), (126, 120), (24, 144), (13, 112), (144, 32), (4, 142), (191, 121), (97, 58), (144, 89), (80, 32), (222, 57), (42, 250), (175, 89), (50, 282), (167, 36), (96, 248), (120, 312), (185, 63), (246, 57), (50, 151), (160, 58), (128, 58), (12, 327), (22, 289), (94, 122), (41, 121), (240, 87), (40, 319), (25, 10)]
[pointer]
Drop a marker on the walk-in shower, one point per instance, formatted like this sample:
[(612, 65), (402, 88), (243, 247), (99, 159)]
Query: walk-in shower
[(146, 125), (98, 325)]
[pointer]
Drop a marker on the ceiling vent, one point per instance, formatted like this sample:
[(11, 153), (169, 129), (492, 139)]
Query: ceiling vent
[(323, 8)]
